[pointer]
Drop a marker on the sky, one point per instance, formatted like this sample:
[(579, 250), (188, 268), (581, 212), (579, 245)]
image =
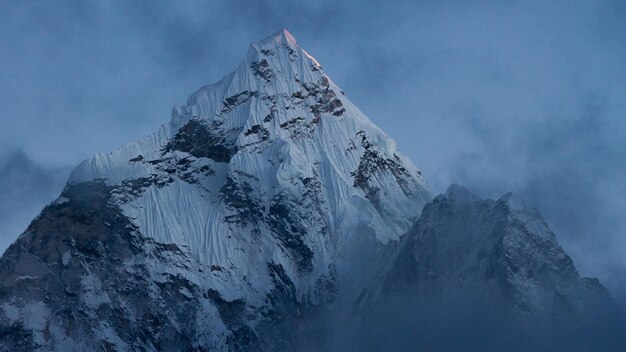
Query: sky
[(523, 96)]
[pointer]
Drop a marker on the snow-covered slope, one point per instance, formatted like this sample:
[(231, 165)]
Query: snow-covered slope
[(279, 126), (254, 202)]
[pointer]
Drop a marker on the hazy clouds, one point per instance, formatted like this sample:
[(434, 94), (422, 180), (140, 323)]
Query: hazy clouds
[(497, 96), (25, 187)]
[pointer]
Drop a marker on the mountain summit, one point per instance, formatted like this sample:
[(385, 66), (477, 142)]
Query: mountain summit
[(267, 214), (237, 220)]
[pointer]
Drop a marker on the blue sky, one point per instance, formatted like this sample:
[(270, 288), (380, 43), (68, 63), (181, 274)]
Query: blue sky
[(528, 96)]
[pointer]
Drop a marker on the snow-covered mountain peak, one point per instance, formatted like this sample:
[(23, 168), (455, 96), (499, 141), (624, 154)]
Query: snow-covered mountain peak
[(270, 164), (279, 38), (275, 67), (270, 179), (280, 41)]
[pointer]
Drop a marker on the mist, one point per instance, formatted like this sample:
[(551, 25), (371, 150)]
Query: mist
[(408, 323), (26, 188)]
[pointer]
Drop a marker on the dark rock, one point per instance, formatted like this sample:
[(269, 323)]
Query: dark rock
[(198, 140), (238, 195), (372, 163), (137, 158), (286, 225), (263, 70), (233, 101)]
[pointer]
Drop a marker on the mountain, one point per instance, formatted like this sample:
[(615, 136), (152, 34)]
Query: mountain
[(492, 274), (234, 226), (270, 214)]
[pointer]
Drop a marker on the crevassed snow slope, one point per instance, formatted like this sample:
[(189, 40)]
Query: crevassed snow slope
[(278, 128)]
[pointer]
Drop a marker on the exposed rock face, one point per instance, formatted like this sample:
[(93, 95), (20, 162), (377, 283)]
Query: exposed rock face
[(200, 141)]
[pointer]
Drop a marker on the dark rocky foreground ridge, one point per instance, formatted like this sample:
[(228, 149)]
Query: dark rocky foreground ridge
[(271, 215)]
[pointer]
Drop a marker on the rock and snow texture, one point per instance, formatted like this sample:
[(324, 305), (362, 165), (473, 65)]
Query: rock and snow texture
[(274, 132), (232, 222)]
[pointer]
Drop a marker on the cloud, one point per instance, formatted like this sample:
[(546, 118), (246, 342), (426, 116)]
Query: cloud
[(26, 187)]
